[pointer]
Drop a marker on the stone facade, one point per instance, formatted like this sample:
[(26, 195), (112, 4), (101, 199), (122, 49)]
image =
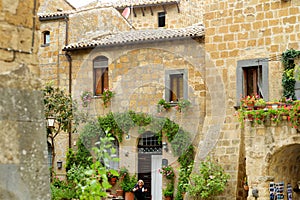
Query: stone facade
[(234, 31), (271, 156), (241, 30), (24, 172), (49, 6)]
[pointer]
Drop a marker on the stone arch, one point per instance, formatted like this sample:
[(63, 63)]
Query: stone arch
[(284, 164)]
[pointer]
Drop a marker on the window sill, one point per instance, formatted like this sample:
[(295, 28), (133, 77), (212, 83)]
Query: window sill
[(97, 97), (173, 103)]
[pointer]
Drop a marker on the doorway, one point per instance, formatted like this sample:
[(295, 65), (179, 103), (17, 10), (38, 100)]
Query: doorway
[(149, 161)]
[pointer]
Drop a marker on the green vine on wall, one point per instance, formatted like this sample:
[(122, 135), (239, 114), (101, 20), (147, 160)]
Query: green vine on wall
[(120, 123), (288, 79)]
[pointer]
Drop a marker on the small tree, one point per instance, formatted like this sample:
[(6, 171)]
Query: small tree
[(57, 104), (209, 181), (95, 181)]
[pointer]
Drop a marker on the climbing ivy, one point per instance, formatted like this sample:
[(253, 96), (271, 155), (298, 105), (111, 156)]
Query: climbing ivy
[(186, 161), (120, 123), (288, 79)]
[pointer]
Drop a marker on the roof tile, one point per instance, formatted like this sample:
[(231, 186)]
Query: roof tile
[(137, 36)]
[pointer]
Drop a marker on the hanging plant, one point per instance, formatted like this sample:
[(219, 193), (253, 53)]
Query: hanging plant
[(107, 96), (167, 171), (86, 98)]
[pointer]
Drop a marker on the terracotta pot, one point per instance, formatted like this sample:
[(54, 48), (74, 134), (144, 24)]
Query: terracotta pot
[(129, 196), (183, 194), (119, 193), (246, 187), (168, 198)]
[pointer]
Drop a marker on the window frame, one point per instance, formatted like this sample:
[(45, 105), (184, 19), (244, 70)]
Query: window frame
[(46, 38), (240, 80), (168, 75), (161, 16), (103, 71)]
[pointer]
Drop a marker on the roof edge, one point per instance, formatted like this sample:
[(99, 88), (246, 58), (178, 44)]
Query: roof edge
[(129, 43)]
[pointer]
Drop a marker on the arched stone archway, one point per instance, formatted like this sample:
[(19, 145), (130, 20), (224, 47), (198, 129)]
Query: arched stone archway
[(284, 166), (272, 156)]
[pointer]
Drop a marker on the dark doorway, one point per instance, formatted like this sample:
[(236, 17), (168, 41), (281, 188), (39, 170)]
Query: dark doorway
[(148, 145)]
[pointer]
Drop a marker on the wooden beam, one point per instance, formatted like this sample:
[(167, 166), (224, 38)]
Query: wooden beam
[(164, 9), (151, 10), (134, 12), (142, 9), (178, 8)]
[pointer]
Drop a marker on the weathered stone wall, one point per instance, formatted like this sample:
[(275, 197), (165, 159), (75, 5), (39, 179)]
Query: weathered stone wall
[(94, 22), (52, 60), (50, 6), (238, 30), (137, 76), (82, 25), (272, 154), (18, 35), (188, 13), (24, 172)]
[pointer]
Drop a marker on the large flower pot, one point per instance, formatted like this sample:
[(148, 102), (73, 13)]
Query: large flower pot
[(168, 198), (129, 196), (119, 193)]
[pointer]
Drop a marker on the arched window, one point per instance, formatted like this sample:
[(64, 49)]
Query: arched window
[(100, 66), (46, 38)]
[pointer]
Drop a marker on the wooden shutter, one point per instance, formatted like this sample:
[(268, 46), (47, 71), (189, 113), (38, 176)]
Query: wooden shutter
[(98, 80), (100, 65), (250, 84), (176, 85)]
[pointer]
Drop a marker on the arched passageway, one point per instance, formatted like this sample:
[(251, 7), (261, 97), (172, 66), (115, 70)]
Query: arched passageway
[(284, 167)]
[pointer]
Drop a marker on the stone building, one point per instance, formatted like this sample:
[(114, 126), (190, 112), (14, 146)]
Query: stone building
[(24, 172), (203, 50)]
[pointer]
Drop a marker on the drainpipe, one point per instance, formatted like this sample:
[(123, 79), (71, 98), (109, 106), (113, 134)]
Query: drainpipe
[(69, 58), (68, 55)]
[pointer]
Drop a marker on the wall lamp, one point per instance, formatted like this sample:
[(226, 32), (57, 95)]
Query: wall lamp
[(255, 193), (165, 146), (59, 164), (50, 122)]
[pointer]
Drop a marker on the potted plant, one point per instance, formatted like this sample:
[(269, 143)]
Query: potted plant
[(249, 101), (86, 98), (127, 184), (209, 181), (164, 104), (107, 95), (182, 105), (167, 171), (260, 103), (168, 191)]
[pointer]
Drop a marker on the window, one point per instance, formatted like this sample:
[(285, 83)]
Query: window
[(161, 19), (46, 38), (176, 84), (252, 78), (100, 75)]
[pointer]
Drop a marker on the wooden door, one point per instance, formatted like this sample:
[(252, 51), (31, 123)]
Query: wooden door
[(148, 145), (144, 172)]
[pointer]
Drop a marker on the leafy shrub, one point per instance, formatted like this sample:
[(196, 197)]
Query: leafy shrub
[(209, 181)]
